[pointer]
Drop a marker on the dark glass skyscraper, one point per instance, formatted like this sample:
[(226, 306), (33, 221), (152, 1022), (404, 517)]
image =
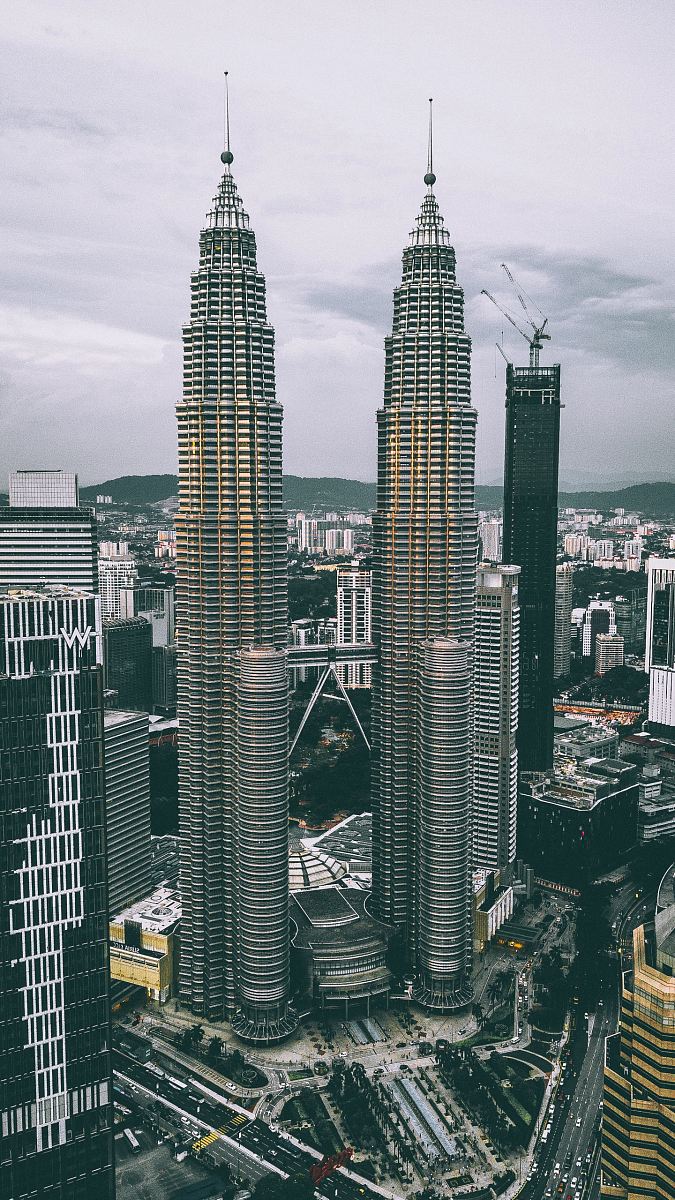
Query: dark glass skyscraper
[(55, 1083), (232, 617), (424, 592), (530, 538)]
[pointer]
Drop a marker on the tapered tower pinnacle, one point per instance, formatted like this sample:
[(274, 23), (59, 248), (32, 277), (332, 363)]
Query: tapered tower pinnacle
[(227, 157), (430, 178)]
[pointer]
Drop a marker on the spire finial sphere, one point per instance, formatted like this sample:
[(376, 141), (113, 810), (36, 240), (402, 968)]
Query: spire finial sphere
[(430, 178)]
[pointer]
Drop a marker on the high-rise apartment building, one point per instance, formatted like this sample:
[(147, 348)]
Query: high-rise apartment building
[(308, 534), (232, 614), (354, 622), (116, 573), (127, 799), (55, 1085), (424, 594), (43, 489), (46, 540), (599, 618), (562, 646), (608, 652), (495, 709), (530, 538), (638, 1120)]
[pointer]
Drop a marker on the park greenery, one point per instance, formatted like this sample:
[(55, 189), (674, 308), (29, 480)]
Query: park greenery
[(494, 1093)]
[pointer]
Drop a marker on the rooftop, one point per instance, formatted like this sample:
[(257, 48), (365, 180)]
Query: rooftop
[(333, 919), (156, 913), (309, 867), (117, 716), (350, 842)]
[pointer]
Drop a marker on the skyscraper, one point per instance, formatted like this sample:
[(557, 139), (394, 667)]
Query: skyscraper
[(232, 612), (45, 538), (354, 621), (660, 644), (55, 1085), (638, 1121), (562, 645), (530, 538), (424, 590), (495, 758)]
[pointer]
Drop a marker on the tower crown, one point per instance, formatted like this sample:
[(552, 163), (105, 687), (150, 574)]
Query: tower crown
[(228, 209), (429, 224)]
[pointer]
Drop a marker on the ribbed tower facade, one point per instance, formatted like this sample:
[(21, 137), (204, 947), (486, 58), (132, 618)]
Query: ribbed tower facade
[(424, 588), (232, 596)]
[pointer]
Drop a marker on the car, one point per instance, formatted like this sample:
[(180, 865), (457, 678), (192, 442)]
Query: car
[(578, 1122), (573, 1181), (556, 1169), (401, 1045)]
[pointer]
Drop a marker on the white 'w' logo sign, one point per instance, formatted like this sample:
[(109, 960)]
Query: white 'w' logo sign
[(76, 636)]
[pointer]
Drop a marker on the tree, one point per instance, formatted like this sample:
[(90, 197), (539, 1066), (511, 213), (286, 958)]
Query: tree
[(215, 1049)]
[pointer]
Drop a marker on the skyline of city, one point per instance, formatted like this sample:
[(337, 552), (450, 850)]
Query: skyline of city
[(338, 822), (568, 215)]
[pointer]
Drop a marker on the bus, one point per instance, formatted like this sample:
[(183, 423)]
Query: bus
[(176, 1083), (133, 1141)]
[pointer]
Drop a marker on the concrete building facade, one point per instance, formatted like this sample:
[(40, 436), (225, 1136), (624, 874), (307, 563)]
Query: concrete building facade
[(495, 699)]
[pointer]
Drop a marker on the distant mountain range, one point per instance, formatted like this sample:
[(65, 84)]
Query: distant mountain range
[(329, 492)]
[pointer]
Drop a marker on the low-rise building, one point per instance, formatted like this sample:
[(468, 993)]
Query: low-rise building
[(492, 906), (339, 951), (144, 943), (578, 820), (656, 811), (589, 740)]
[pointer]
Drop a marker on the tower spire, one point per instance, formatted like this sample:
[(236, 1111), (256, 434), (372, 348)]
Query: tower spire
[(430, 178), (227, 156)]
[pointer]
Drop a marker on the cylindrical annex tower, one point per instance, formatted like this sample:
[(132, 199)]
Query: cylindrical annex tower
[(424, 535), (231, 584), (443, 819), (261, 900)]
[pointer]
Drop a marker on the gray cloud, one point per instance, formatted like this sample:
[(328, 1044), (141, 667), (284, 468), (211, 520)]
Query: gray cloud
[(111, 134)]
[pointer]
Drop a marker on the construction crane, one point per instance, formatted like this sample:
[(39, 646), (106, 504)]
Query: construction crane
[(538, 335)]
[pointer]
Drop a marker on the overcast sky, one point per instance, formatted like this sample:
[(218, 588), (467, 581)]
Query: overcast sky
[(553, 151)]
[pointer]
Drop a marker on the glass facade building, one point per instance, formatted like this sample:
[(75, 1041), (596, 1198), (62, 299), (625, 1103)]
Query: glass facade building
[(530, 541), (56, 1135)]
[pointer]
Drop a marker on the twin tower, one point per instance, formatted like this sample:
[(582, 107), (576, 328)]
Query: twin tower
[(233, 631)]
